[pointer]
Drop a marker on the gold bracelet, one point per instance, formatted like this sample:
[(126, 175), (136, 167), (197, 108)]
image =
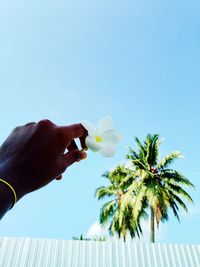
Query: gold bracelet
[(13, 191)]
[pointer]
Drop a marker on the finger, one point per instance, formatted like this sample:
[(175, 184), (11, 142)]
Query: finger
[(30, 124), (82, 141), (73, 131), (73, 156), (72, 146), (83, 155)]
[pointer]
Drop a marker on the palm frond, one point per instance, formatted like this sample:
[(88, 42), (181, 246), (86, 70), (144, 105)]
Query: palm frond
[(152, 145), (139, 202), (170, 175), (107, 211), (174, 208), (139, 164), (132, 154), (103, 191), (167, 160), (176, 199), (142, 150), (106, 174), (180, 191)]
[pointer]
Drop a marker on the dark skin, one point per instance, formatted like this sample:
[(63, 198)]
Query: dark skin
[(35, 154)]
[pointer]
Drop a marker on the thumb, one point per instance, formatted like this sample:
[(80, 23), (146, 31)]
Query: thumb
[(72, 156)]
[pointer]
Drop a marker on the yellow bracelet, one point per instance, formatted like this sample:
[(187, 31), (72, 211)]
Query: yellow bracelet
[(13, 190)]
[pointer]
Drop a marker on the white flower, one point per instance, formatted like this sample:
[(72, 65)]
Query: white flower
[(102, 138)]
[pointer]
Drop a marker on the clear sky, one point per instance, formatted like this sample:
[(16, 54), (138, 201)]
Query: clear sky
[(138, 61)]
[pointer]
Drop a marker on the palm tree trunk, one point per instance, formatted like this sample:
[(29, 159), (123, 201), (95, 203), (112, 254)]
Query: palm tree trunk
[(152, 239), (124, 237)]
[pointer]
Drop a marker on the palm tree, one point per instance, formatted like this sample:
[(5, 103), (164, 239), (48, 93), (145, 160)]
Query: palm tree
[(95, 238), (156, 185), (118, 211)]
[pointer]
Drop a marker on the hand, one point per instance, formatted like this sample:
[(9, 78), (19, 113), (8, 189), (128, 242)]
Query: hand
[(34, 154)]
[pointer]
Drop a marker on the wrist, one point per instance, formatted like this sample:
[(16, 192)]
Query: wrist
[(12, 179), (6, 199), (6, 195)]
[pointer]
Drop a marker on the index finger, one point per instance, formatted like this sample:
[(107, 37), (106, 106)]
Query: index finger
[(73, 131)]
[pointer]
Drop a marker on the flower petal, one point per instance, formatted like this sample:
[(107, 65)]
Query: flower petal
[(104, 124), (111, 136), (89, 127), (107, 151), (92, 144)]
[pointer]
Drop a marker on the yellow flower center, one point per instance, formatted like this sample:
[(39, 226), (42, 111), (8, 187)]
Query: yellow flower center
[(98, 138)]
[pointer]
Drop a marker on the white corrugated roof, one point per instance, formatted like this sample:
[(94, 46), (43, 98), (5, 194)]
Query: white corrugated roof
[(35, 252)]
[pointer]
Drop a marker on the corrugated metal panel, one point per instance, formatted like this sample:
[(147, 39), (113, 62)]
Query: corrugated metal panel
[(33, 252)]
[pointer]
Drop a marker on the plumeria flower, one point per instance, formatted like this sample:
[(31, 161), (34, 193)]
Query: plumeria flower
[(103, 137)]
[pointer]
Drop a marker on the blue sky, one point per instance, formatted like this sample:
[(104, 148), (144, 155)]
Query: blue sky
[(138, 61)]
